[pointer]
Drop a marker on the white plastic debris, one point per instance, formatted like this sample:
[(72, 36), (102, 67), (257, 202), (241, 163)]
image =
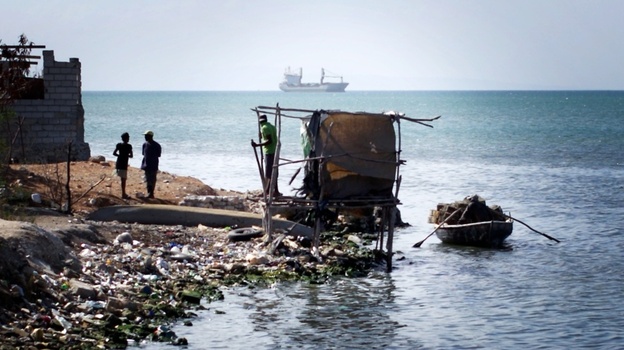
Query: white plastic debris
[(124, 237), (36, 198)]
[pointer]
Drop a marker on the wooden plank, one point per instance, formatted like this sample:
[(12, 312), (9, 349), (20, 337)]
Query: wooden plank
[(22, 56), (22, 63), (22, 46)]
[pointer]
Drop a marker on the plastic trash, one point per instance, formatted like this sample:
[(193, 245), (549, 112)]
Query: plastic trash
[(87, 253), (61, 320), (49, 280), (36, 198), (124, 237), (95, 304)]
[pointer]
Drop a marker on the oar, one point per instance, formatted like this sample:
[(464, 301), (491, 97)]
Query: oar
[(530, 228), (418, 244)]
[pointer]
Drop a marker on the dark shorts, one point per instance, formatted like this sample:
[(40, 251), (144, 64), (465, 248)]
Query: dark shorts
[(268, 165), (150, 177)]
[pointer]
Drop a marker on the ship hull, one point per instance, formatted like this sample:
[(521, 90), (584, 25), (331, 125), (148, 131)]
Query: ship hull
[(326, 87)]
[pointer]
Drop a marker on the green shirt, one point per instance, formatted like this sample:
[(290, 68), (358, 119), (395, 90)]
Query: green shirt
[(267, 129)]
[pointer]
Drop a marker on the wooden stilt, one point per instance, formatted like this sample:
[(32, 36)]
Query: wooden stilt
[(269, 228), (379, 243), (266, 223), (317, 237), (382, 227), (391, 222)]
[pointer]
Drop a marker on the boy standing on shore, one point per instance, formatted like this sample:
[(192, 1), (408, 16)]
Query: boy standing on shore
[(123, 151), (151, 153)]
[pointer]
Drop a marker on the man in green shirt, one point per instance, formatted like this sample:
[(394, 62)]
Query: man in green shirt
[(268, 144)]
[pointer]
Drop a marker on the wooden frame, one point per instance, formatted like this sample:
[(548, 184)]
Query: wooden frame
[(388, 204)]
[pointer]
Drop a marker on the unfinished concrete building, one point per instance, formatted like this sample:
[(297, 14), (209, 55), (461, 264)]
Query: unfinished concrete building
[(45, 122)]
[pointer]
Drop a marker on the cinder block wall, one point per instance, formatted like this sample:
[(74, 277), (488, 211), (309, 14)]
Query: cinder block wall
[(50, 124)]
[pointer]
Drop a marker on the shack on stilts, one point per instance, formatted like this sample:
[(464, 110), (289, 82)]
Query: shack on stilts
[(350, 160)]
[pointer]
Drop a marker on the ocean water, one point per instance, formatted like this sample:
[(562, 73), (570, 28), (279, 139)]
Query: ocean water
[(554, 160)]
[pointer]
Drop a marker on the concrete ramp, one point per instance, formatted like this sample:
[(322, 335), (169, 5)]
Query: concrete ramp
[(160, 214)]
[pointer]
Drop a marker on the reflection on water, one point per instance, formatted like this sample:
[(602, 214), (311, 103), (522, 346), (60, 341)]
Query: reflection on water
[(472, 252), (350, 313)]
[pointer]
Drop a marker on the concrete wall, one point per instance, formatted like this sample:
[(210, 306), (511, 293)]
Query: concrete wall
[(52, 122)]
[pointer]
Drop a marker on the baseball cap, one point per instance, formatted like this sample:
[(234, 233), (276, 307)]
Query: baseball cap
[(262, 118), (149, 132)]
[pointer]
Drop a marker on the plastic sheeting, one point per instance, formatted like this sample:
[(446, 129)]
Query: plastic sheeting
[(358, 154)]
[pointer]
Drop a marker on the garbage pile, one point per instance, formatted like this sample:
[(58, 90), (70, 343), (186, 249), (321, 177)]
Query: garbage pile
[(132, 281)]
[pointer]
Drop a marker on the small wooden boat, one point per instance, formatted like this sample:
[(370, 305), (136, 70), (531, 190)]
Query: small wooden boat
[(470, 222), (480, 234)]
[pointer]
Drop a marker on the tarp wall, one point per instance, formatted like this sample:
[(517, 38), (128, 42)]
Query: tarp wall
[(359, 152)]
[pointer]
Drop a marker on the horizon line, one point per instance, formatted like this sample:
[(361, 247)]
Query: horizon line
[(346, 92)]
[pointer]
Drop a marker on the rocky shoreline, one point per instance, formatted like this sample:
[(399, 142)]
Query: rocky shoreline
[(72, 283)]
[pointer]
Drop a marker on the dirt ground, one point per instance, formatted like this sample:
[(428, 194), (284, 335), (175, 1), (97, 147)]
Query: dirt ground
[(92, 185)]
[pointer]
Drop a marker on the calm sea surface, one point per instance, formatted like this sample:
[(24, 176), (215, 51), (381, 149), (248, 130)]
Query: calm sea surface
[(554, 160)]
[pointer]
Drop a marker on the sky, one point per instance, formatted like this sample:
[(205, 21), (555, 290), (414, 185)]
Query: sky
[(246, 45)]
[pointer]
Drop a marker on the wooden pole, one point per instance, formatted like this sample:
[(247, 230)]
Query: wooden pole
[(382, 228), (261, 160), (67, 187), (391, 220)]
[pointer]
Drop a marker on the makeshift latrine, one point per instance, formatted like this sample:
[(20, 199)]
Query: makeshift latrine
[(350, 161), (350, 155)]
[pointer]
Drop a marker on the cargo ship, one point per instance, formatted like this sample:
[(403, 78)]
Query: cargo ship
[(292, 83)]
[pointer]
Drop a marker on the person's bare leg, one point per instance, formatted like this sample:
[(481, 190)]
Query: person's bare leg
[(123, 189)]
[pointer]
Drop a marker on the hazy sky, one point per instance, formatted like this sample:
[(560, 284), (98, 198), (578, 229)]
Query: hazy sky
[(375, 45)]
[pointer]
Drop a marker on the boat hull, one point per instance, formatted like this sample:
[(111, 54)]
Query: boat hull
[(326, 87), (480, 234)]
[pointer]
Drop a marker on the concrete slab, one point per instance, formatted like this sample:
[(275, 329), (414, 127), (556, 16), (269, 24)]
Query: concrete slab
[(161, 214)]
